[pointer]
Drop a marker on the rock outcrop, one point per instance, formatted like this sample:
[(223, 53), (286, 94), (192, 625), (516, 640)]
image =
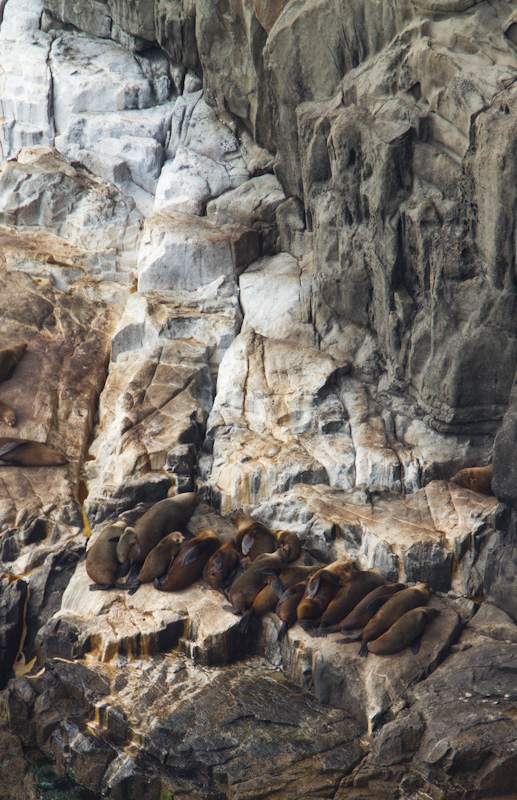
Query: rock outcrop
[(263, 251)]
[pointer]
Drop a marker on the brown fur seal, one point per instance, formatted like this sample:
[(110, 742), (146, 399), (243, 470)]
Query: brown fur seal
[(247, 586), (28, 453), (364, 611), (101, 557), (478, 479), (221, 567), (9, 357), (321, 589), (161, 519), (287, 605), (358, 585), (391, 611), (404, 632), (252, 537), (188, 565), (291, 542), (7, 414), (159, 559), (267, 598)]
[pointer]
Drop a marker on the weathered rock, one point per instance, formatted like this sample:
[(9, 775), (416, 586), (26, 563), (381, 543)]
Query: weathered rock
[(54, 390), (498, 569), (182, 251), (504, 473), (132, 26), (238, 735), (255, 205), (25, 79), (99, 218), (275, 295), (458, 739), (273, 426), (13, 596), (149, 406), (437, 534)]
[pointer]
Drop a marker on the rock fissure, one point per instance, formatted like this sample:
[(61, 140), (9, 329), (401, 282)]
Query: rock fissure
[(368, 269)]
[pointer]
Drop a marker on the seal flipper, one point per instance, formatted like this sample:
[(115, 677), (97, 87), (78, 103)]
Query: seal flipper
[(123, 570), (363, 650), (8, 447), (415, 645), (247, 542), (230, 609), (192, 553), (314, 585), (378, 603), (99, 587), (245, 621), (282, 631), (218, 562)]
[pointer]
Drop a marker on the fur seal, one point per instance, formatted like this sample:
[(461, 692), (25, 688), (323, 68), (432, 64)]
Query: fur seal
[(7, 414), (287, 605), (9, 357), (404, 632), (221, 567), (188, 565), (321, 589), (358, 585), (478, 479), (28, 453), (266, 600), (159, 559), (161, 519), (362, 614), (391, 611), (101, 557), (252, 538), (290, 541), (247, 586)]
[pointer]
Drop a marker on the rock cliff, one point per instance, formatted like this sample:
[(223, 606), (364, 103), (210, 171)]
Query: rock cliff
[(265, 251)]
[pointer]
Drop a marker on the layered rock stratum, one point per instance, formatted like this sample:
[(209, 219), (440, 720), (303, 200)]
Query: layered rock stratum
[(264, 251)]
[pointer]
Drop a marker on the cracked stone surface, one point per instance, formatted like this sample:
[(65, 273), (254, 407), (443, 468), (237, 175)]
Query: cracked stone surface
[(288, 285)]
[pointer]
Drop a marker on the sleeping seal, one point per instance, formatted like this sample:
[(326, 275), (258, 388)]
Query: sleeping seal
[(28, 453), (405, 632), (9, 357), (188, 565)]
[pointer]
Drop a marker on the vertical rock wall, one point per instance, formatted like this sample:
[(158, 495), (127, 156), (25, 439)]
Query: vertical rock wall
[(264, 250)]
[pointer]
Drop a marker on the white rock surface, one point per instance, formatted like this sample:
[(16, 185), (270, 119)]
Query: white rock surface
[(189, 181), (182, 251), (36, 189), (254, 204), (100, 76), (437, 534), (275, 297), (210, 315), (25, 79)]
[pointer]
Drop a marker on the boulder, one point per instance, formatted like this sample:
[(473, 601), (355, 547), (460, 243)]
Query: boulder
[(182, 251), (253, 204)]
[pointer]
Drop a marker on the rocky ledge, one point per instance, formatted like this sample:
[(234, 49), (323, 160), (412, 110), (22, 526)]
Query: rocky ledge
[(267, 257)]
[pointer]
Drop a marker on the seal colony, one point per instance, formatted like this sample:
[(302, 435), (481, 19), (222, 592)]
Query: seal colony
[(260, 571)]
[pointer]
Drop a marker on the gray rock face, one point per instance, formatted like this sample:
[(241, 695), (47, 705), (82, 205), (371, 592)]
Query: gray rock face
[(13, 597), (465, 707), (287, 285)]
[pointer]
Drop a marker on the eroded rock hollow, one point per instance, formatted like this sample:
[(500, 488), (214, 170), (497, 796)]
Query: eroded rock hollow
[(265, 252)]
